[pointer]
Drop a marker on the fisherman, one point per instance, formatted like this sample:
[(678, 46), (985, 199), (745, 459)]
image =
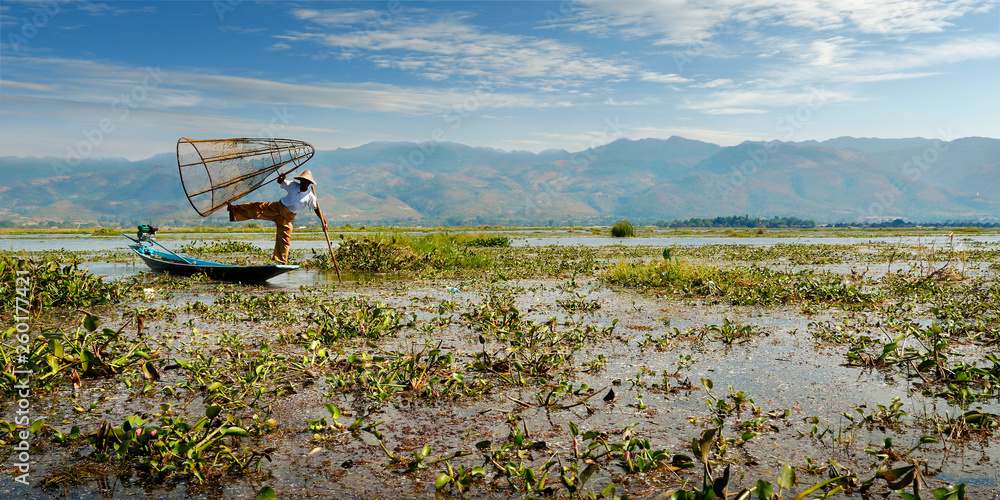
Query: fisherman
[(282, 212)]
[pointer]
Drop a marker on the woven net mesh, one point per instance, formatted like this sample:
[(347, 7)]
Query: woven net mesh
[(214, 171)]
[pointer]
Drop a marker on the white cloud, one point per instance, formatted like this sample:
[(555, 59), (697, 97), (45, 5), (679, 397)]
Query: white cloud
[(142, 133), (717, 83), (649, 76), (25, 85), (794, 39), (356, 18), (904, 17), (895, 62), (71, 80), (646, 101), (774, 48), (922, 55), (829, 52), (885, 77), (747, 57), (241, 30), (752, 100), (842, 61), (104, 9), (448, 45), (438, 46), (676, 22), (685, 22)]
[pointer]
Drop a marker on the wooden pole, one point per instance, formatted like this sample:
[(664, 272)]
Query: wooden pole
[(327, 234)]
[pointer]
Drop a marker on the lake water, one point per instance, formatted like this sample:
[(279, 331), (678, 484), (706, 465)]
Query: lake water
[(85, 243), (114, 270)]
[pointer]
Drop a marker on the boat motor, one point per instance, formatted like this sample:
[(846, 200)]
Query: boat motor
[(146, 232)]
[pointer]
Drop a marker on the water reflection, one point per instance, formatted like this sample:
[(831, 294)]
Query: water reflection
[(322, 277), (292, 280)]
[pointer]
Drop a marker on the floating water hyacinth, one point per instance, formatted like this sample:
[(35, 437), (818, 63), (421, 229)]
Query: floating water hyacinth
[(469, 394)]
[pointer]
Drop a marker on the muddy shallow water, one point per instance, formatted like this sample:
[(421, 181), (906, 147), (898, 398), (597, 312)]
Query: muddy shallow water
[(791, 387)]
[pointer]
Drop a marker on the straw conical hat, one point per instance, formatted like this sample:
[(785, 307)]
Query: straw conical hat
[(306, 175)]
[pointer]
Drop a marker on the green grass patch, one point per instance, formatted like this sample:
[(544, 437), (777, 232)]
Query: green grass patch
[(739, 285), (389, 252), (489, 241)]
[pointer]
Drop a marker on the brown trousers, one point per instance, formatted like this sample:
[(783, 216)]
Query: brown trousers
[(273, 211)]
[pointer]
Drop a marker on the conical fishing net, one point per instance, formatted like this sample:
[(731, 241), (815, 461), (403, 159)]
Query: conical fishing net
[(214, 171)]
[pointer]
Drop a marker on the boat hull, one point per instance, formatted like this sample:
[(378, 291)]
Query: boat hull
[(164, 262)]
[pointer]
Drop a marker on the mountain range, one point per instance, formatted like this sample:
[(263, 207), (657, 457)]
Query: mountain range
[(402, 183)]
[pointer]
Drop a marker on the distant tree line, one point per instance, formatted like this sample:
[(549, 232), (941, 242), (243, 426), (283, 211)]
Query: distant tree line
[(903, 223), (740, 221)]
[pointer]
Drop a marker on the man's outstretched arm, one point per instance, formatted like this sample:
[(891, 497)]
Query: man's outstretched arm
[(319, 213)]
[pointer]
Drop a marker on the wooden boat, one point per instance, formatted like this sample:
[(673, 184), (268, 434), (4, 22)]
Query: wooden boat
[(176, 264)]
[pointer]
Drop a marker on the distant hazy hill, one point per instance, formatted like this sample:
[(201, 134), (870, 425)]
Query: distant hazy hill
[(842, 179)]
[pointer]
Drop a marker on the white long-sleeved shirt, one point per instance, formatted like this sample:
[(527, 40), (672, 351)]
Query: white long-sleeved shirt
[(296, 200)]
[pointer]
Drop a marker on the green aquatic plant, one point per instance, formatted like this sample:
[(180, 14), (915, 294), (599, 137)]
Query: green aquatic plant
[(355, 317), (579, 304), (57, 355), (622, 229), (716, 486), (226, 246), (322, 425), (399, 252), (371, 254), (890, 415), (489, 241), (739, 285), (520, 340), (244, 378), (910, 476), (34, 284), (461, 479), (733, 332), (668, 378), (171, 446), (525, 349), (428, 372)]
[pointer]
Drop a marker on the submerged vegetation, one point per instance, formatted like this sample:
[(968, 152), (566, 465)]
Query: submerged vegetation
[(481, 369)]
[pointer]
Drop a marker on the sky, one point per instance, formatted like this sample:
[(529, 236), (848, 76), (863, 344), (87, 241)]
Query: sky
[(81, 79)]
